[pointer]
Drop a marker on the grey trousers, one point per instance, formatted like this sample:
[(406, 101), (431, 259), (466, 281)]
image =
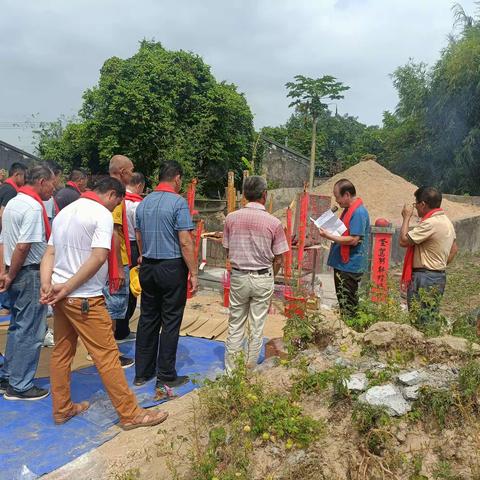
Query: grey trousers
[(250, 296), (426, 291)]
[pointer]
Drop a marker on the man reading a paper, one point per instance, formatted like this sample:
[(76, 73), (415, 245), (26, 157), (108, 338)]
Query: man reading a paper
[(349, 252)]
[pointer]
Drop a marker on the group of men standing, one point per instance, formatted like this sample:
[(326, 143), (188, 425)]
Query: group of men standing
[(80, 264)]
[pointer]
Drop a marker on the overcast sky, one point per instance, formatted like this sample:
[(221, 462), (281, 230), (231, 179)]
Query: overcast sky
[(52, 50)]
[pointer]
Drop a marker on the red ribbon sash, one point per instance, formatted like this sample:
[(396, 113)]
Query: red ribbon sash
[(407, 271), (27, 190), (12, 183), (133, 197), (346, 217), (73, 185), (164, 187), (113, 269)]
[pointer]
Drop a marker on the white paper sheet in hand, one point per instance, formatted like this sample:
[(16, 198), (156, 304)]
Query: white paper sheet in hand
[(330, 222)]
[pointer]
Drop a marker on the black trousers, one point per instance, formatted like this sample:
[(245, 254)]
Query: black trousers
[(346, 288), (164, 294), (132, 299)]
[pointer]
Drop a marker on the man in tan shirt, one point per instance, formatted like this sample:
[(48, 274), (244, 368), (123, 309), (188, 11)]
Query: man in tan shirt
[(431, 246)]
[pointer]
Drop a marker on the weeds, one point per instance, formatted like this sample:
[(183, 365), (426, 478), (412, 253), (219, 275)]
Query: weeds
[(226, 455), (461, 401), (370, 422), (130, 474), (443, 471), (309, 383), (380, 377), (299, 332), (437, 405), (264, 414), (417, 469)]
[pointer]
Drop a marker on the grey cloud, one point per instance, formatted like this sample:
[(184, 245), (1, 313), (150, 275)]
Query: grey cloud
[(52, 50)]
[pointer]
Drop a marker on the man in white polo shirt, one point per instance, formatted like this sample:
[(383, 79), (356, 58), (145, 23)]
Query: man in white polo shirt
[(25, 231), (73, 273)]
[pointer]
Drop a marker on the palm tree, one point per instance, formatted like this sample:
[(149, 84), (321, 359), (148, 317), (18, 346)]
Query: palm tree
[(309, 95)]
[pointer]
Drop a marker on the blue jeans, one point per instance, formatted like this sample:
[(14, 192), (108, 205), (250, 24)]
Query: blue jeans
[(117, 305), (26, 331), (5, 300), (426, 290)]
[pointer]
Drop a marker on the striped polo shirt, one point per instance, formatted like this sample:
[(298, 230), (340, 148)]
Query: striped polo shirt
[(253, 237)]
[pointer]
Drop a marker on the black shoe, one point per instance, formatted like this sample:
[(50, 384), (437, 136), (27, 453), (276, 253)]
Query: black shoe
[(179, 381), (126, 362), (129, 338), (142, 380), (3, 385), (32, 394)]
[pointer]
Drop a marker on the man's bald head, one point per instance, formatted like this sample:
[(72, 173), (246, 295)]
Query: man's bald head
[(121, 168)]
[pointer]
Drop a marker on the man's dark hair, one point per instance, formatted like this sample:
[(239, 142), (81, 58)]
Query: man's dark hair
[(77, 174), (169, 170), (345, 186), (138, 178), (430, 195), (53, 166), (254, 187), (38, 172), (16, 168), (107, 183)]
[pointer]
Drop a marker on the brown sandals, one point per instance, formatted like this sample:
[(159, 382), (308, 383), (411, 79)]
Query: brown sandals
[(76, 409), (147, 418)]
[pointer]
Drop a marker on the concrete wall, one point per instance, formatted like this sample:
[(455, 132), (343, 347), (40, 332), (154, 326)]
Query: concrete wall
[(462, 199), (468, 238), (284, 167)]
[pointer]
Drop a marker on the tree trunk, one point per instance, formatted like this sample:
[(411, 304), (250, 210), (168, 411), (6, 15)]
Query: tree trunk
[(312, 152)]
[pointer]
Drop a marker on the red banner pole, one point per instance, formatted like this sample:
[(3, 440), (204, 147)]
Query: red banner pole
[(192, 187), (382, 244), (288, 256)]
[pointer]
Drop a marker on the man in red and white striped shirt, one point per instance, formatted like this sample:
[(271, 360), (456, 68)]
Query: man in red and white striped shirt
[(255, 242)]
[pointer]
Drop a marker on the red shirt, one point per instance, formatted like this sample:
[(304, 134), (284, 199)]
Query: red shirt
[(253, 237)]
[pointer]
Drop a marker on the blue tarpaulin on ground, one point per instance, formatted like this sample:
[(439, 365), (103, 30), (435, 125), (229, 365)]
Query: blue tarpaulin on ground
[(31, 442)]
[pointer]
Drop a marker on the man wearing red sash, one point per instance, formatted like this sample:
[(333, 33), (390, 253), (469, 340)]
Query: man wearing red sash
[(73, 273), (26, 229), (76, 185), (9, 188), (133, 198), (431, 246), (116, 294), (165, 224), (349, 252)]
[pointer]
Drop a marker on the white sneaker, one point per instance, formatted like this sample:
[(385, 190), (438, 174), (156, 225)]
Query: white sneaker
[(48, 340)]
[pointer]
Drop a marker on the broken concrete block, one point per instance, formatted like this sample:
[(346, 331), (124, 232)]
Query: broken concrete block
[(411, 393), (411, 378), (358, 382), (388, 396)]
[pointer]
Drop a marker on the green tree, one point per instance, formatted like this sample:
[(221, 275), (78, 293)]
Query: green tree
[(341, 140), (158, 105), (309, 97), (433, 137)]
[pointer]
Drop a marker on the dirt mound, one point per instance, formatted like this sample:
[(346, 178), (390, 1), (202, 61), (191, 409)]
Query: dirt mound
[(385, 193), (388, 335)]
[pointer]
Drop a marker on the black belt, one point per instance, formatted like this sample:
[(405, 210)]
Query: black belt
[(263, 271), (154, 261), (32, 266), (427, 270)]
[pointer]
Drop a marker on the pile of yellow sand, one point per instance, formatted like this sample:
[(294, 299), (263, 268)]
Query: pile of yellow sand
[(384, 193)]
